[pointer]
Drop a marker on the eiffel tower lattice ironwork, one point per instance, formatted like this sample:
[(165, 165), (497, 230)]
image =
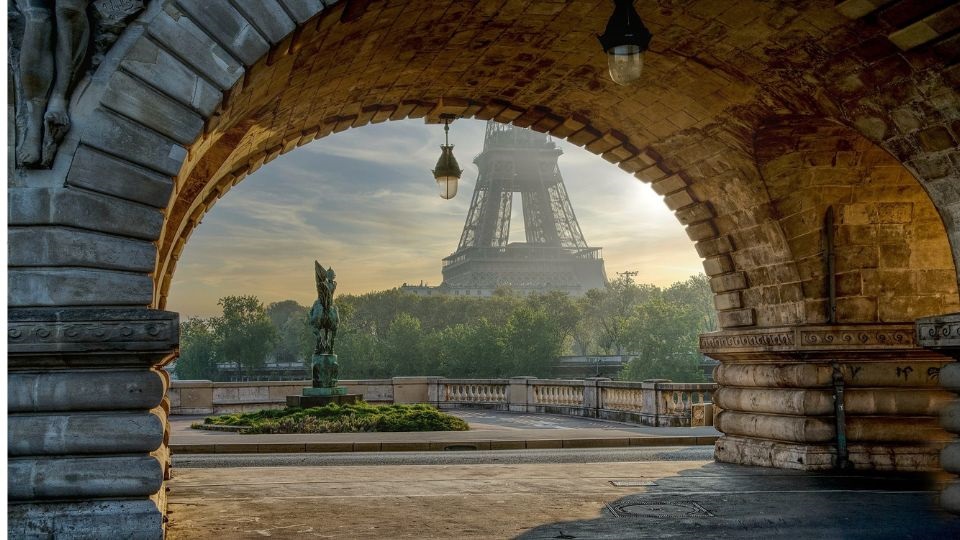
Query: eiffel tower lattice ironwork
[(554, 256)]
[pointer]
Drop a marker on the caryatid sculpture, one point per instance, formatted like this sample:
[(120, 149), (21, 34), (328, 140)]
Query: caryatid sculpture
[(49, 48), (324, 320)]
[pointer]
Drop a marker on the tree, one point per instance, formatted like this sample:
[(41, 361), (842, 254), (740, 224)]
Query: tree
[(607, 310), (245, 332), (402, 345), (531, 343), (663, 335), (294, 338), (198, 348), (472, 350)]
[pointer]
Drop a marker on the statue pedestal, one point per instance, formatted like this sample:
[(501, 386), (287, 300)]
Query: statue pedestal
[(306, 402), (318, 397)]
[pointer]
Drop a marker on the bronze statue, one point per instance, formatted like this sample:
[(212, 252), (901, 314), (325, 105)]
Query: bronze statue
[(324, 320), (325, 371)]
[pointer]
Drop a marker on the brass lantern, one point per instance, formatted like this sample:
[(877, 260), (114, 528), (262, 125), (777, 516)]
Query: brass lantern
[(448, 171)]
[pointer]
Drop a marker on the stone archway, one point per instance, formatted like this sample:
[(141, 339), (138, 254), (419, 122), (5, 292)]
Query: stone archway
[(196, 95)]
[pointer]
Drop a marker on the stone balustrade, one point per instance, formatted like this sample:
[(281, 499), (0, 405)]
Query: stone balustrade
[(474, 391), (653, 403)]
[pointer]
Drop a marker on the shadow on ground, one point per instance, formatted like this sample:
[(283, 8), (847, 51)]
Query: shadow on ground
[(728, 501)]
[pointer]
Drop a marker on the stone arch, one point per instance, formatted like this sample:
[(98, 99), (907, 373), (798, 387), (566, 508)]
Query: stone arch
[(198, 93), (200, 80)]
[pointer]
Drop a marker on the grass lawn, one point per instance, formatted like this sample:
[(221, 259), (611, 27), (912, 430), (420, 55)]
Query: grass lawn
[(334, 418)]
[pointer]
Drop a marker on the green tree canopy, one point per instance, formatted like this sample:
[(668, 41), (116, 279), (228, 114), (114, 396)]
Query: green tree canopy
[(198, 346), (245, 332)]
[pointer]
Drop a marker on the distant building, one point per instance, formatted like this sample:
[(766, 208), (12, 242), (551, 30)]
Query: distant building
[(554, 256), (591, 366)]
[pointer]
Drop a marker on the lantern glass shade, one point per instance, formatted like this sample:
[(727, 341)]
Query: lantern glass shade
[(625, 63), (447, 172), (448, 186)]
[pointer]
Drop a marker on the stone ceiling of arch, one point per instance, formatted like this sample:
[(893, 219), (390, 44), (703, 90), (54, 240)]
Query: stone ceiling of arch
[(716, 71)]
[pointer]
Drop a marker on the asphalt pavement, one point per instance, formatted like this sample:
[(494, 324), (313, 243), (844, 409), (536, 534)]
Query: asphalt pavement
[(544, 489), (489, 430)]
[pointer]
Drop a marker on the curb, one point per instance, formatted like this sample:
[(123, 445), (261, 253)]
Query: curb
[(435, 446)]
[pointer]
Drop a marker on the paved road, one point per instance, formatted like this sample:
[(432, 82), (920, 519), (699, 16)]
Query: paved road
[(660, 496), (489, 430), (502, 457)]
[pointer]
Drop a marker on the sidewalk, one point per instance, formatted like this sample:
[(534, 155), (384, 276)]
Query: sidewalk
[(489, 430)]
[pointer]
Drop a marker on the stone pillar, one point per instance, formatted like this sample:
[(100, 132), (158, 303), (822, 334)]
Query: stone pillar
[(87, 421), (652, 402), (520, 394), (415, 389), (776, 395), (942, 334), (591, 396)]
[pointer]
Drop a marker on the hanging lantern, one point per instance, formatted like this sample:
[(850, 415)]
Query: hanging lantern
[(447, 172), (624, 40)]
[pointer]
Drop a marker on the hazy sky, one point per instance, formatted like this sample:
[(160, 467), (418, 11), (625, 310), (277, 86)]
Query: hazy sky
[(365, 202)]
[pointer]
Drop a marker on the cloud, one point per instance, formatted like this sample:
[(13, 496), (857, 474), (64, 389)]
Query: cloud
[(365, 202)]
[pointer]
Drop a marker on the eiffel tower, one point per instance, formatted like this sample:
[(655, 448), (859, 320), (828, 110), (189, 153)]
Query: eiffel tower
[(555, 255)]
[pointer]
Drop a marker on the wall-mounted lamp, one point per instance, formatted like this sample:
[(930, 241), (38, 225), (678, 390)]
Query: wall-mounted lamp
[(448, 171), (624, 41)]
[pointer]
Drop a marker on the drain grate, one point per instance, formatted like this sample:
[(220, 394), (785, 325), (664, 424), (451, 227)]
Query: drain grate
[(658, 509), (632, 483)]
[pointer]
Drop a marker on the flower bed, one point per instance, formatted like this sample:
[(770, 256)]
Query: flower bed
[(333, 418)]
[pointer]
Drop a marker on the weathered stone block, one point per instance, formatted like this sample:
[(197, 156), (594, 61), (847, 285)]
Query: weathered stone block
[(729, 300), (819, 402), (736, 318), (111, 132), (694, 213), (62, 246), (83, 390), (77, 287), (857, 309), (133, 99), (718, 265), (87, 519), (229, 27), (701, 231), (678, 200), (728, 282), (82, 209), (181, 35), (303, 10), (269, 18), (107, 174), (714, 246), (78, 433), (170, 76), (82, 478)]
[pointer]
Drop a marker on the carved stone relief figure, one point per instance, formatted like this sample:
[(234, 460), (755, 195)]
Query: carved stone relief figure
[(49, 45)]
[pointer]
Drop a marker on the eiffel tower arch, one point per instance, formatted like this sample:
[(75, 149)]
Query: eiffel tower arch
[(554, 254)]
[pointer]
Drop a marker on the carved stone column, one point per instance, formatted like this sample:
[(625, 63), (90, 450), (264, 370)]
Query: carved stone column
[(777, 405), (942, 334), (88, 426)]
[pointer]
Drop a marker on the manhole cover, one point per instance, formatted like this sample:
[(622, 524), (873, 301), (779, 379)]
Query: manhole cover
[(659, 509), (632, 483)]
